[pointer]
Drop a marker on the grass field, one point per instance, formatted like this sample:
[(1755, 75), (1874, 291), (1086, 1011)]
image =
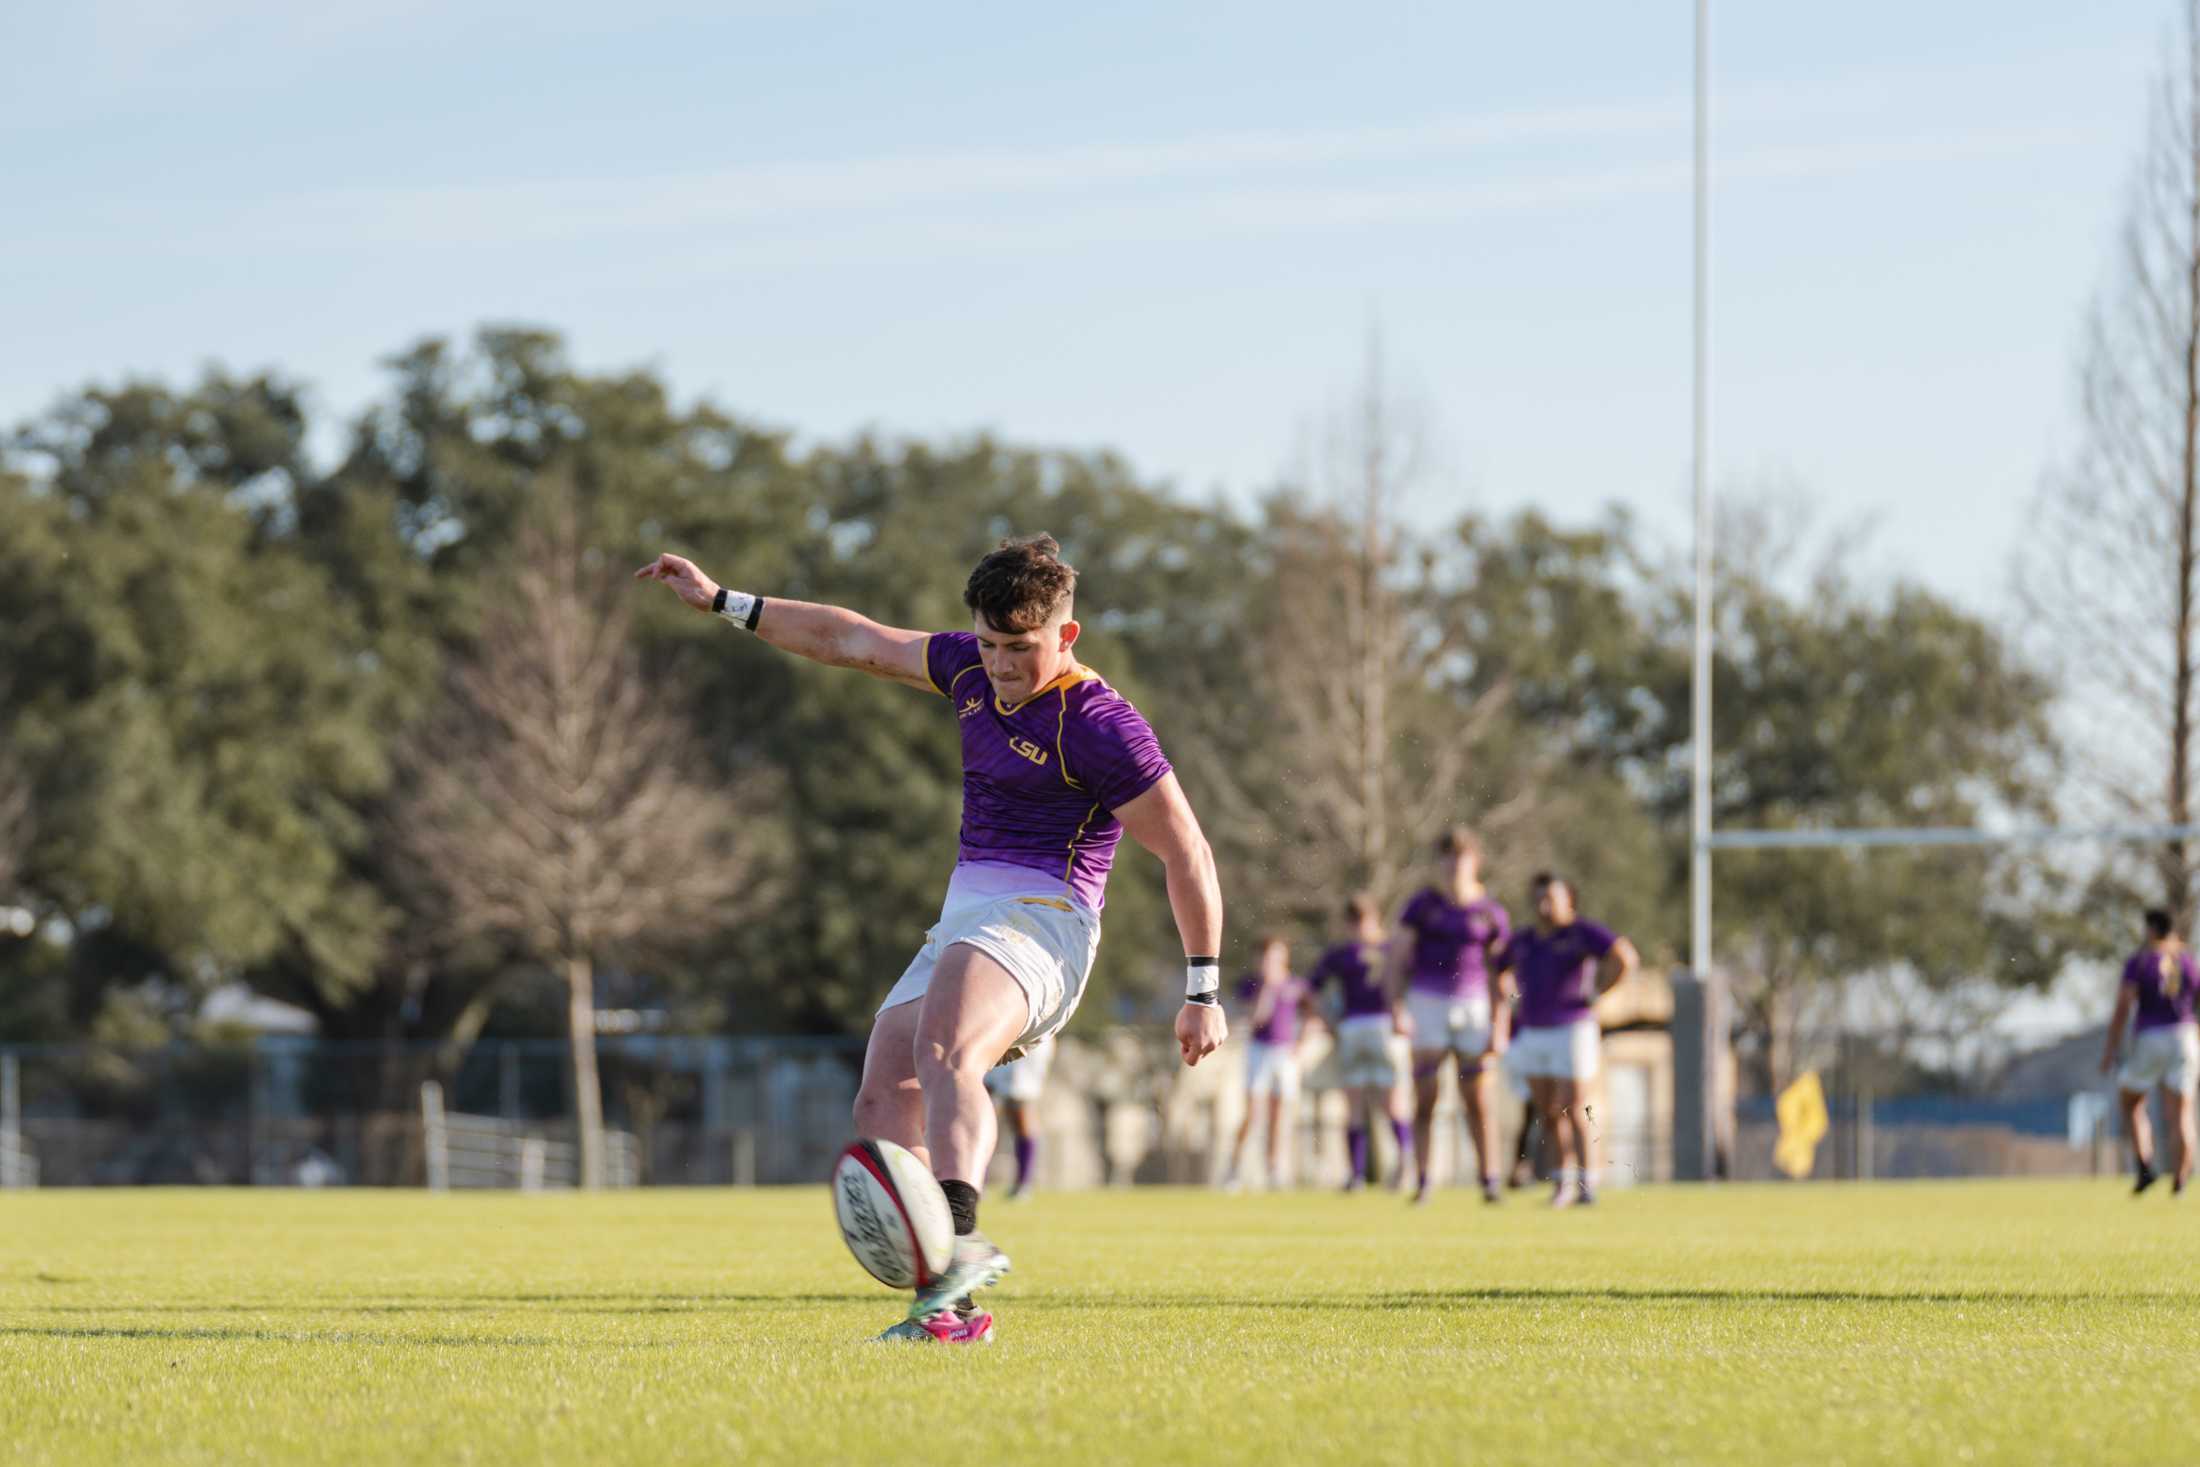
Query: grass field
[(1981, 1322)]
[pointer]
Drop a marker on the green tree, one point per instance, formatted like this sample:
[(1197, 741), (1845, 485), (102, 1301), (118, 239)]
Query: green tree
[(186, 695)]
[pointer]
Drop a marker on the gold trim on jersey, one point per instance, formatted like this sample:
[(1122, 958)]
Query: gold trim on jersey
[(1070, 866), (1067, 680), (1060, 719), (924, 660)]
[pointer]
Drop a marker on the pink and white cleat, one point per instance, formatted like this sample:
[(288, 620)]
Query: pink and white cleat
[(947, 1327)]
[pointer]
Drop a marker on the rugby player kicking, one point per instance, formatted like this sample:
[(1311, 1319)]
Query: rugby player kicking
[(1056, 767)]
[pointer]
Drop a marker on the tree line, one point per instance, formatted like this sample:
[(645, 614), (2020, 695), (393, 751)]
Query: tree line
[(384, 738)]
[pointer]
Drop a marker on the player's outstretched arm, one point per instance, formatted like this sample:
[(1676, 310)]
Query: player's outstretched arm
[(832, 635), (1162, 821)]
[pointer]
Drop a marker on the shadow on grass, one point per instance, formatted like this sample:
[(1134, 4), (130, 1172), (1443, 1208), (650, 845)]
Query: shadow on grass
[(476, 1304), (1462, 1298), (285, 1336), (1563, 1294)]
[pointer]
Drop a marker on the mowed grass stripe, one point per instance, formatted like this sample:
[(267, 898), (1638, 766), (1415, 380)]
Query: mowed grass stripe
[(2021, 1322)]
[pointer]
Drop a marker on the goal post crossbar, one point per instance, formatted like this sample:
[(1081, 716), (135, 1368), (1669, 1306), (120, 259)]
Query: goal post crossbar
[(1941, 835)]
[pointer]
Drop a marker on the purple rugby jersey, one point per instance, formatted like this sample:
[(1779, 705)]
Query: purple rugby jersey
[(1042, 780), (1556, 971), (1452, 943), (2163, 982), (1357, 970), (1283, 1020)]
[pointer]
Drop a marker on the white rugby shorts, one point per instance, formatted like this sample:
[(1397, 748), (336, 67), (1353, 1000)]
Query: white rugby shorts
[(1556, 1052), (1046, 942), (1271, 1069), (1364, 1052), (2168, 1056), (1460, 1025)]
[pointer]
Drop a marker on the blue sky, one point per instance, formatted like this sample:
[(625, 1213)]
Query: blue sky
[(1162, 228)]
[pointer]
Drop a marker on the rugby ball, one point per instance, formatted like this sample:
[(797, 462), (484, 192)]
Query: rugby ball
[(893, 1215)]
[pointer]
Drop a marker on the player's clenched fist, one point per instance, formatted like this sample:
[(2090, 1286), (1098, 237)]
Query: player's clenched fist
[(1200, 1030), (681, 574)]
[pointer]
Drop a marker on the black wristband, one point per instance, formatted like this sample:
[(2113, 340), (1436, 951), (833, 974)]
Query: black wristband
[(1209, 997), (718, 603)]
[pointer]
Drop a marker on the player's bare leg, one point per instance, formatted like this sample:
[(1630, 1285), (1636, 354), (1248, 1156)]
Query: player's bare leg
[(2141, 1132), (2181, 1121), (1478, 1097), (1237, 1149), (1554, 1102), (1588, 1131), (973, 1012), (1524, 1153), (890, 1104), (1428, 1085), (1275, 1139)]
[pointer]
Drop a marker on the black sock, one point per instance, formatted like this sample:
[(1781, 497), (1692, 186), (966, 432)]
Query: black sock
[(962, 1201)]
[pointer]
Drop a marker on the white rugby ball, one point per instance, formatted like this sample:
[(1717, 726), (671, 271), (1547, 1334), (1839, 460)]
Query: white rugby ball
[(893, 1215)]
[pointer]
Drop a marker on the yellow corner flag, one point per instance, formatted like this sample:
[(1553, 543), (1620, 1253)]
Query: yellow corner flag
[(1802, 1111)]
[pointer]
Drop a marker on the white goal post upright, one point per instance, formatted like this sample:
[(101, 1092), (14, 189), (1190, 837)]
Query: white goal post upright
[(1699, 862)]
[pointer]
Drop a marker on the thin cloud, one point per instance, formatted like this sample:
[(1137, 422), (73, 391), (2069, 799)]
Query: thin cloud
[(1052, 199)]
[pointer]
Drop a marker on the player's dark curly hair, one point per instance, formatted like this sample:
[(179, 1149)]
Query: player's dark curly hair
[(1019, 586)]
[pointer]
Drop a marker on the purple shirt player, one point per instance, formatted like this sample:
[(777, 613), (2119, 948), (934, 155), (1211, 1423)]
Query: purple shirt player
[(1557, 971), (1282, 1024), (1042, 776), (1556, 965), (2156, 998), (1356, 968), (1057, 768), (2161, 981), (1452, 943)]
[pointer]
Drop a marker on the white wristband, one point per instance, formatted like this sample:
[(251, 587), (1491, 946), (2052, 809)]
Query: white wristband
[(738, 607), (1202, 978)]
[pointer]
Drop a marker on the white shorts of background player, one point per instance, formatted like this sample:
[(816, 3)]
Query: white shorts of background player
[(1557, 1051), (1272, 1069), (1023, 1079), (2168, 1056), (1366, 1054), (1461, 1025)]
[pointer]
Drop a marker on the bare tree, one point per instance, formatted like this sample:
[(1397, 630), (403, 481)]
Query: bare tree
[(2111, 575), (1372, 749), (563, 806)]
